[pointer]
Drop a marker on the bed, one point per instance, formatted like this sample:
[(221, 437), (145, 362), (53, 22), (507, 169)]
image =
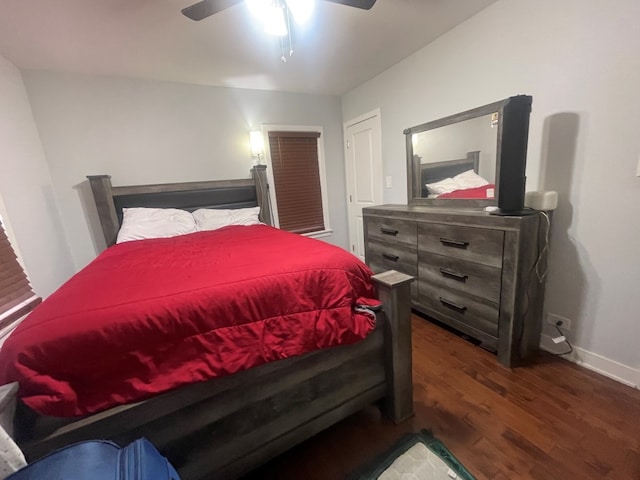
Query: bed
[(224, 427), (439, 176)]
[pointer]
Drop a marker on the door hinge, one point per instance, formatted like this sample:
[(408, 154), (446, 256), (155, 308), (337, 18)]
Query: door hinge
[(350, 199), (348, 144), (353, 248)]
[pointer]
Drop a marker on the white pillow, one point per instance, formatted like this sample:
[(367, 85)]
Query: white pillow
[(469, 179), (447, 185), (140, 223), (212, 219)]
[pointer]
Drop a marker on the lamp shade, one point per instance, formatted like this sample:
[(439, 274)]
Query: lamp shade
[(257, 143)]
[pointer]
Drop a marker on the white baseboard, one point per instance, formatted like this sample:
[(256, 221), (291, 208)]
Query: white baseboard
[(604, 366)]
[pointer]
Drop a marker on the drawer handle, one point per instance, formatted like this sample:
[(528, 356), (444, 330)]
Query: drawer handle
[(393, 258), (455, 306), (453, 243), (389, 231), (461, 277)]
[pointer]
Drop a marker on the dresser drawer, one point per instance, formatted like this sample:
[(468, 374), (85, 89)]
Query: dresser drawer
[(382, 257), (397, 232), (462, 308), (452, 273), (480, 245), (393, 257)]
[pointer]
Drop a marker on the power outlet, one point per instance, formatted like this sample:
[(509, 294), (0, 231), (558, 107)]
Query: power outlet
[(565, 323)]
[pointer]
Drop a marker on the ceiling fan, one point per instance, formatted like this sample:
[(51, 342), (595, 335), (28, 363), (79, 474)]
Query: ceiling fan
[(206, 8)]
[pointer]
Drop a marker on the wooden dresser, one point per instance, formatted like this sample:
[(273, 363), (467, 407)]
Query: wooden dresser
[(475, 271)]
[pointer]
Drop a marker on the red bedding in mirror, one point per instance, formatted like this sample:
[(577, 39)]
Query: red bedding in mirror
[(484, 192)]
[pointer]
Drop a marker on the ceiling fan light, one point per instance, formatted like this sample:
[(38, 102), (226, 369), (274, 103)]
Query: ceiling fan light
[(274, 21), (259, 8), (301, 10)]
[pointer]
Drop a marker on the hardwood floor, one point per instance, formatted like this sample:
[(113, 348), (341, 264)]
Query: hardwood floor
[(549, 420)]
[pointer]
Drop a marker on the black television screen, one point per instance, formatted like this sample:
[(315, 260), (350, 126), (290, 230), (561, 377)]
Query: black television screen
[(512, 156)]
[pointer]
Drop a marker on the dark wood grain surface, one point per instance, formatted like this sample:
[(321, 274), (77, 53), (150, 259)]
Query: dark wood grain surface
[(511, 297), (480, 245), (549, 420), (389, 230)]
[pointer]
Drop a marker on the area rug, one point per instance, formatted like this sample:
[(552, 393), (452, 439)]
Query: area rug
[(416, 456)]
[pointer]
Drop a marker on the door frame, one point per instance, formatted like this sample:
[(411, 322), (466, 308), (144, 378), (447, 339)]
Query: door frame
[(373, 114)]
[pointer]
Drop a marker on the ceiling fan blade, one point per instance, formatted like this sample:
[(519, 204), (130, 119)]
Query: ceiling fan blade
[(363, 4), (206, 8)]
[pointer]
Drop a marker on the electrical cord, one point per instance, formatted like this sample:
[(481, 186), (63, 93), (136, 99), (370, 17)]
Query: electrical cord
[(566, 341), (545, 249)]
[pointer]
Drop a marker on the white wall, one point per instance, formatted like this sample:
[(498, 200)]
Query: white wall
[(580, 59), (151, 132), (28, 199)]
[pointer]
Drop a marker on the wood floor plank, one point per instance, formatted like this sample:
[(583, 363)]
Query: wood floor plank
[(548, 420)]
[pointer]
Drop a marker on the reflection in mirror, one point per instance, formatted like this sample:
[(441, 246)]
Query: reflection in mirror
[(458, 160), (473, 158)]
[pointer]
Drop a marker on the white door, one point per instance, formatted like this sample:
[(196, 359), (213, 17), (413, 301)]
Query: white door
[(363, 159)]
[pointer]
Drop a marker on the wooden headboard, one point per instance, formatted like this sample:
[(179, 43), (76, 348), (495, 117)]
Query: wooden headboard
[(436, 171), (110, 200)]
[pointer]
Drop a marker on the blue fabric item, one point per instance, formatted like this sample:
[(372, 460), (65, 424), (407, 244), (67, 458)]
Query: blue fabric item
[(100, 460)]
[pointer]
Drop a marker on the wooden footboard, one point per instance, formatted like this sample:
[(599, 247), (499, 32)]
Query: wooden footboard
[(394, 292), (228, 426)]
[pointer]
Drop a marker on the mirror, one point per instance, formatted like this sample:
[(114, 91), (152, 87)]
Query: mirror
[(467, 158)]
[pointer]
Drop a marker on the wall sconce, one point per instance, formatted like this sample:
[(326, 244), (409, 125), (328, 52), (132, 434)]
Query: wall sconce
[(257, 144)]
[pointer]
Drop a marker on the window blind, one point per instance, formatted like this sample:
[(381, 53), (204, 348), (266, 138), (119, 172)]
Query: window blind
[(296, 174), (16, 296)]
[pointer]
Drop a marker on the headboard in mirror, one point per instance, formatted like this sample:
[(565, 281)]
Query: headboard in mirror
[(473, 158)]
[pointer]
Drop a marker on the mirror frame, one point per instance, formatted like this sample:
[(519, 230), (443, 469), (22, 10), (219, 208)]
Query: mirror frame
[(414, 189)]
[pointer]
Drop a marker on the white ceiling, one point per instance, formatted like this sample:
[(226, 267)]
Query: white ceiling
[(340, 48)]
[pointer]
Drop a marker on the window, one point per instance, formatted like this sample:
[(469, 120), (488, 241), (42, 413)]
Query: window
[(16, 296), (297, 170)]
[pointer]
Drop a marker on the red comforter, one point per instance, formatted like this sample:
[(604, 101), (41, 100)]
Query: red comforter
[(152, 315)]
